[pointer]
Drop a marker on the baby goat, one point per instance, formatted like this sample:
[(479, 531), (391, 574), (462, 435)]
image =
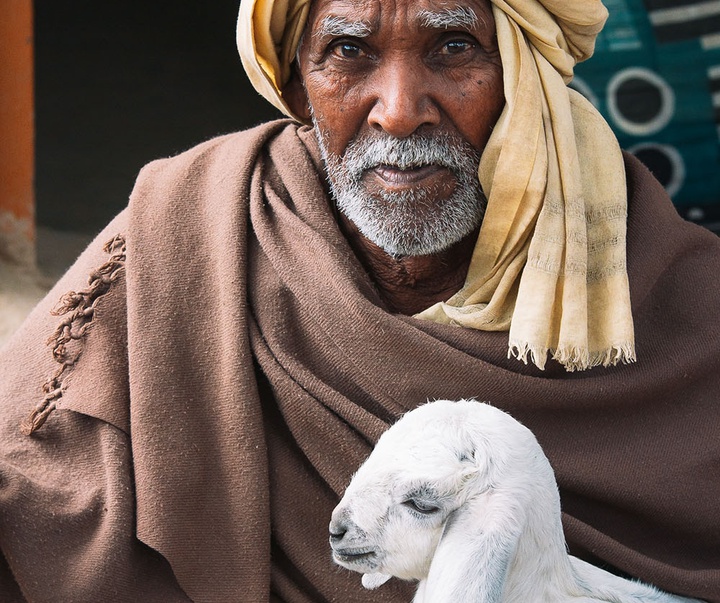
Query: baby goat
[(460, 496)]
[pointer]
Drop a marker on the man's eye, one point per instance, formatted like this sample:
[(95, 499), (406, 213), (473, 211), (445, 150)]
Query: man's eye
[(420, 506), (347, 50), (456, 46)]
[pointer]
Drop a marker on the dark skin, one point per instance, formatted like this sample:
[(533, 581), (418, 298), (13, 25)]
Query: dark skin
[(388, 67)]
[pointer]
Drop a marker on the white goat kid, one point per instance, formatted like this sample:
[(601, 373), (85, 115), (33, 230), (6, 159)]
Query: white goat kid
[(460, 496)]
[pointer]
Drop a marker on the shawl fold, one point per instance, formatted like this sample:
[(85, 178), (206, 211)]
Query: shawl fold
[(242, 365)]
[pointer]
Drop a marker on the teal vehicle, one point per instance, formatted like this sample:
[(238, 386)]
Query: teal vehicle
[(655, 77)]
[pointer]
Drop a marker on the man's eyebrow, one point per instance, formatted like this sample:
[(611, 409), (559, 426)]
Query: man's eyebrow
[(462, 16), (340, 26)]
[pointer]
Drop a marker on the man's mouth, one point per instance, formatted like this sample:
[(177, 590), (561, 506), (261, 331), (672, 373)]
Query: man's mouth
[(392, 177), (393, 173)]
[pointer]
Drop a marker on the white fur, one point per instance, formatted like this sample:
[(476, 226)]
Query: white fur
[(496, 536)]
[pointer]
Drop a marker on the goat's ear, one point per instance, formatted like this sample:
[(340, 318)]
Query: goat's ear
[(477, 546), (475, 474)]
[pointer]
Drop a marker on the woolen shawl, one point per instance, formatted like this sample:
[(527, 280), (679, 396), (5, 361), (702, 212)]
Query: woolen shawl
[(237, 364), (549, 264)]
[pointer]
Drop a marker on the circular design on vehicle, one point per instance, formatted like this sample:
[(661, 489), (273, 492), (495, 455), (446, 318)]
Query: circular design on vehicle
[(695, 214), (664, 161), (640, 101)]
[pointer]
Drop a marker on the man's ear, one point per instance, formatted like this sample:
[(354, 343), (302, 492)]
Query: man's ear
[(295, 96)]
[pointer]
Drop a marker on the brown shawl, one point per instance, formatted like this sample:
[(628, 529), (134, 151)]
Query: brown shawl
[(237, 364)]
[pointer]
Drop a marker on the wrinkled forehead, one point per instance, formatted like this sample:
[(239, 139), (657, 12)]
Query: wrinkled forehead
[(361, 18)]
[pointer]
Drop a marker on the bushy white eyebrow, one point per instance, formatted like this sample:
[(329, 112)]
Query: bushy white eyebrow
[(340, 26), (462, 16)]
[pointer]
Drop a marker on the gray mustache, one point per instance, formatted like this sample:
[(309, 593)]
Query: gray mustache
[(404, 153)]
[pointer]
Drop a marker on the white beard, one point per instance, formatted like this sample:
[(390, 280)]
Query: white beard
[(411, 222)]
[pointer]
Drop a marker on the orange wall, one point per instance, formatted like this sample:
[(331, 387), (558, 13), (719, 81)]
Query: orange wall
[(16, 116)]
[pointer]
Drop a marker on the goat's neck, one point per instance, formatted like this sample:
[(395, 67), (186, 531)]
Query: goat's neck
[(540, 570)]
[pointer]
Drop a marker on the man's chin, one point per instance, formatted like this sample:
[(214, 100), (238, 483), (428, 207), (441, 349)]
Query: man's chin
[(411, 224), (410, 243)]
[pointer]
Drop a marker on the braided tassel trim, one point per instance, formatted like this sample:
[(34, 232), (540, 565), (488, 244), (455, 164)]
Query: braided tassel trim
[(78, 309)]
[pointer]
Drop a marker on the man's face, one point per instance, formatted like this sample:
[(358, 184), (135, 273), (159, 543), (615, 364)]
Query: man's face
[(404, 95)]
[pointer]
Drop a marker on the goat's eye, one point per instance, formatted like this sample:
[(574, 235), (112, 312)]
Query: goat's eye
[(421, 506)]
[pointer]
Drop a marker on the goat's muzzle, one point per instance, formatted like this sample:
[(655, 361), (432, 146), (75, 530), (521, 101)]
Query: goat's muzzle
[(350, 547)]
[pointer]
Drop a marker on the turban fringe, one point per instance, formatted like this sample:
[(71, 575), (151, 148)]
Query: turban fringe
[(549, 265)]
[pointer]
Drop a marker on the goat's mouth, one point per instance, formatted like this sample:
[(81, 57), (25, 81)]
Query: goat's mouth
[(356, 558)]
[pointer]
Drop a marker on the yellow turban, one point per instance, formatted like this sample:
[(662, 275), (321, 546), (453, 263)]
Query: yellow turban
[(549, 265)]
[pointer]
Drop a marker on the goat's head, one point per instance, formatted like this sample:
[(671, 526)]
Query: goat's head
[(446, 470)]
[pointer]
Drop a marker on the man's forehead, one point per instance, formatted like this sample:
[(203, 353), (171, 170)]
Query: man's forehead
[(361, 17)]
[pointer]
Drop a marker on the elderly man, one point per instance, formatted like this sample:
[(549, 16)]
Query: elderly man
[(271, 300)]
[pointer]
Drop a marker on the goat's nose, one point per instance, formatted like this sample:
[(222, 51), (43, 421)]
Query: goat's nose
[(338, 529)]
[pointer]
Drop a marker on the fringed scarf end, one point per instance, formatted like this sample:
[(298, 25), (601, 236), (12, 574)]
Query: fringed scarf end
[(523, 350), (573, 358), (621, 353)]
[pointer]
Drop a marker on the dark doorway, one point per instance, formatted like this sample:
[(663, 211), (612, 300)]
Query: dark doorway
[(119, 83)]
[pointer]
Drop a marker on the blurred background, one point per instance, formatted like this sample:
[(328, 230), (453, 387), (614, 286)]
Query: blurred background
[(119, 83), (655, 76), (91, 91)]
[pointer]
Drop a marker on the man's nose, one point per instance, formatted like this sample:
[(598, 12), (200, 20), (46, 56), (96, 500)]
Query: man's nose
[(404, 100)]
